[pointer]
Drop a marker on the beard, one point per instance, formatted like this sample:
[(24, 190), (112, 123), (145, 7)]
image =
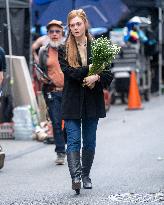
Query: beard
[(56, 44)]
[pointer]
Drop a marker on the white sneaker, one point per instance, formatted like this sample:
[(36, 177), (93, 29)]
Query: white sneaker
[(60, 160)]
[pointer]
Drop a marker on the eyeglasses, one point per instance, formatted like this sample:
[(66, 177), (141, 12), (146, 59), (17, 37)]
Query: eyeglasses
[(54, 31), (78, 24)]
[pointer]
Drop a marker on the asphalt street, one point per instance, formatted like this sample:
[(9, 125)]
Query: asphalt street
[(128, 166)]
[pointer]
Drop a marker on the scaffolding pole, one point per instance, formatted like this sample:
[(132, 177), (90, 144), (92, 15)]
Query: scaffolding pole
[(160, 49)]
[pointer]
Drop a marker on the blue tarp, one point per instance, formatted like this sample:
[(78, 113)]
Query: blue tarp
[(42, 1), (101, 13), (105, 13)]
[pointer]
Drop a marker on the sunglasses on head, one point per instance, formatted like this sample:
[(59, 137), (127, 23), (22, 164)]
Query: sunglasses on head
[(54, 31)]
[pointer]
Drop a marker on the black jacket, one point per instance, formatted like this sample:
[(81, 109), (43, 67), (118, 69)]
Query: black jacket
[(2, 60), (79, 101)]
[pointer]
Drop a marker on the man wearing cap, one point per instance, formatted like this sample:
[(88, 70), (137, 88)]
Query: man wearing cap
[(49, 62)]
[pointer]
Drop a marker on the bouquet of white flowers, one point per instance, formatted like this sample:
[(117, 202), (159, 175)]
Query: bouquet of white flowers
[(103, 53)]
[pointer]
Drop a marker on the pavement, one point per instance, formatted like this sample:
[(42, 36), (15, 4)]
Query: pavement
[(128, 166)]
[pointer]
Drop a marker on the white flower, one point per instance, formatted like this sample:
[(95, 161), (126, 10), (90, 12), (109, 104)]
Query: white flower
[(103, 53)]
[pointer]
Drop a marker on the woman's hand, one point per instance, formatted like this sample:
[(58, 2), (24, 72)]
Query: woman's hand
[(91, 79), (92, 86)]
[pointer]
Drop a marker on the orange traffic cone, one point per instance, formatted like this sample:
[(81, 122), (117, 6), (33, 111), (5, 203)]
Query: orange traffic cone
[(134, 99)]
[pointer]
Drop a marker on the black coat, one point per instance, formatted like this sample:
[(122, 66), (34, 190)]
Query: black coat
[(2, 60), (79, 101)]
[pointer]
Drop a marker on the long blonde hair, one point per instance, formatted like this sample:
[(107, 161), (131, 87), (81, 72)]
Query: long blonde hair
[(71, 47)]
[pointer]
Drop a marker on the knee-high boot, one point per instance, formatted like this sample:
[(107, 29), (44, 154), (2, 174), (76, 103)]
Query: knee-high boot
[(87, 160), (73, 159)]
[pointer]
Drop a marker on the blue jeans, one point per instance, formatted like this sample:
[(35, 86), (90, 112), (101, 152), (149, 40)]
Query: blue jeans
[(53, 101), (73, 129)]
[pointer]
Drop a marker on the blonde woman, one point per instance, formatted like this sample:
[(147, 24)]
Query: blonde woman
[(82, 106)]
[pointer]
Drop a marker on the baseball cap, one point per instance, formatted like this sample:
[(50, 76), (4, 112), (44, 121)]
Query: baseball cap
[(55, 22)]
